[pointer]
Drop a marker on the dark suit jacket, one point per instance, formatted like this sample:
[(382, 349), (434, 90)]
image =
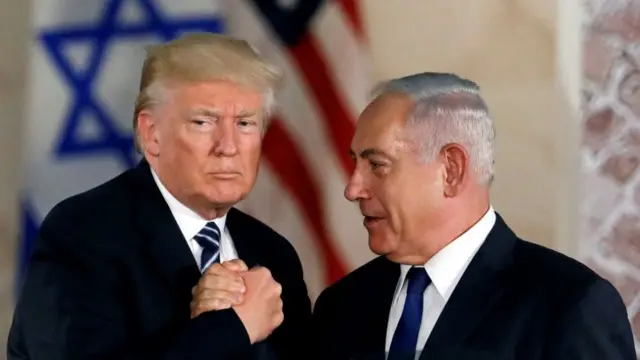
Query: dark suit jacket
[(516, 300), (111, 274)]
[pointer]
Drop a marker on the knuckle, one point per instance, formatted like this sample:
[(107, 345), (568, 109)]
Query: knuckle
[(279, 318), (220, 304), (207, 282), (203, 308), (265, 272), (208, 293), (215, 280), (276, 289), (237, 262), (213, 269), (199, 285), (222, 295)]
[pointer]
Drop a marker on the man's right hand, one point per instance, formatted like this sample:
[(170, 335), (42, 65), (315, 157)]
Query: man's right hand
[(261, 310), (219, 287)]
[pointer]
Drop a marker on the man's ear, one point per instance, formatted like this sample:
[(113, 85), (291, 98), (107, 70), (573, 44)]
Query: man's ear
[(456, 161), (148, 133)]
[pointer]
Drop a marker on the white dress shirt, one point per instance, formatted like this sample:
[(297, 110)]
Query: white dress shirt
[(191, 223), (445, 270)]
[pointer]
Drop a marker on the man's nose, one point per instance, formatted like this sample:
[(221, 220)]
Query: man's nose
[(226, 139), (355, 190)]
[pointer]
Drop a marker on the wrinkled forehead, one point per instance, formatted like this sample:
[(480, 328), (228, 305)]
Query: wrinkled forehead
[(217, 98), (382, 123)]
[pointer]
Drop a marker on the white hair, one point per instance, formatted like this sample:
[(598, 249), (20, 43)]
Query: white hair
[(448, 109)]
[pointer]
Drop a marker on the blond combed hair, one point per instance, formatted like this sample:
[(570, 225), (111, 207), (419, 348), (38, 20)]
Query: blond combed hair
[(202, 57)]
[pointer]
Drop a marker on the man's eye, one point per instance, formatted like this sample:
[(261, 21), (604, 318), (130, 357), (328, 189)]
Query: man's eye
[(246, 123), (375, 165), (198, 122)]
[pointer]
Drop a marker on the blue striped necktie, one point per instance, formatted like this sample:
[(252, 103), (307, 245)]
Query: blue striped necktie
[(405, 339), (209, 239)]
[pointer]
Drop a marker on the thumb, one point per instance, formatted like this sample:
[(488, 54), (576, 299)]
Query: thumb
[(236, 265)]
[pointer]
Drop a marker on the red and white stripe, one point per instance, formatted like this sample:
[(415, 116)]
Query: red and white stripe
[(306, 161)]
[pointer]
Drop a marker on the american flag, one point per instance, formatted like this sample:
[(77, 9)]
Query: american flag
[(83, 83), (321, 47)]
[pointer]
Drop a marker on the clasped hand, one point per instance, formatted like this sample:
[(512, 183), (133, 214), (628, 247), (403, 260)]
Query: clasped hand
[(253, 294)]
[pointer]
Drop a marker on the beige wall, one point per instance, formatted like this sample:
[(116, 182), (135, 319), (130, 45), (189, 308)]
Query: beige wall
[(14, 22), (509, 48)]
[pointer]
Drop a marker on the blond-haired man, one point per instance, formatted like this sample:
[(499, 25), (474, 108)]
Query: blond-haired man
[(128, 270)]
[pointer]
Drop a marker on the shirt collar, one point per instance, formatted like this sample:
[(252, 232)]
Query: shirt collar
[(189, 221), (447, 266)]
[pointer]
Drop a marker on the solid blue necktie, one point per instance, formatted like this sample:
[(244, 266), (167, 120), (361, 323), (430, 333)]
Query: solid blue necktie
[(209, 239), (405, 339)]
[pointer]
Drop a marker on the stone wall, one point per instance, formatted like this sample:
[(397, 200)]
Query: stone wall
[(610, 205)]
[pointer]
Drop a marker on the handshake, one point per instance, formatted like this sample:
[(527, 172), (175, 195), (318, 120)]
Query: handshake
[(253, 294)]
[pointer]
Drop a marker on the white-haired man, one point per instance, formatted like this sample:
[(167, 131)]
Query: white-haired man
[(127, 270), (452, 280)]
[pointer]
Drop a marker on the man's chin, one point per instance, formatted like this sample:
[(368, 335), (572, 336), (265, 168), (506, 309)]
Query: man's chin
[(225, 201), (379, 246), (220, 204), (228, 195)]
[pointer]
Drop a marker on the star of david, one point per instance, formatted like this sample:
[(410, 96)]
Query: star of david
[(100, 35)]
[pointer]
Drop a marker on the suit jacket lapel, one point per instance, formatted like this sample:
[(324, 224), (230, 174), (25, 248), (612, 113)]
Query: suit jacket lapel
[(250, 249), (377, 299), (478, 290), (163, 239), (244, 238)]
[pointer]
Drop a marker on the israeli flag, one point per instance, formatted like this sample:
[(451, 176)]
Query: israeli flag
[(84, 70)]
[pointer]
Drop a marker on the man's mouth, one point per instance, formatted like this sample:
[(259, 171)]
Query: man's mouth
[(225, 175)]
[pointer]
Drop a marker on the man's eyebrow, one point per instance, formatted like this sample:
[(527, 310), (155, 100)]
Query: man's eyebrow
[(206, 112), (216, 113), (246, 113), (369, 152)]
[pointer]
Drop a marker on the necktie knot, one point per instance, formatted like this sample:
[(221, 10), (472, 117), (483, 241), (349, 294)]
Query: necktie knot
[(209, 239), (418, 281), (209, 236)]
